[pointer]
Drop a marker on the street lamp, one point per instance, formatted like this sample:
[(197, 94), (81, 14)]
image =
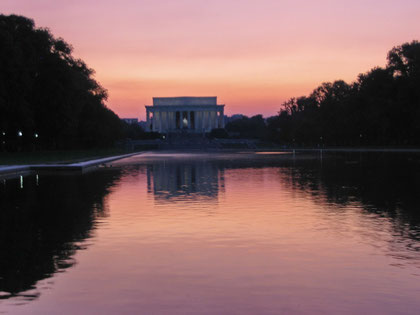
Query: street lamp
[(20, 134)]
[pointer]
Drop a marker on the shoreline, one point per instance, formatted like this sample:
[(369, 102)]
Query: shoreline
[(329, 149), (11, 171)]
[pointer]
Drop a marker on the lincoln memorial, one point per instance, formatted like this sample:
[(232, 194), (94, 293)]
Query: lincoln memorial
[(191, 114)]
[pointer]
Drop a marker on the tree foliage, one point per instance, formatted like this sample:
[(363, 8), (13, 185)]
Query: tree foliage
[(382, 107), (246, 127), (47, 94)]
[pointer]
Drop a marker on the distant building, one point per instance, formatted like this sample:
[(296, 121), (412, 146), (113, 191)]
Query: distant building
[(130, 120), (190, 114)]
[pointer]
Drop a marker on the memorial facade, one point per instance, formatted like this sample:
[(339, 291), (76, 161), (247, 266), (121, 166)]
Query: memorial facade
[(188, 114)]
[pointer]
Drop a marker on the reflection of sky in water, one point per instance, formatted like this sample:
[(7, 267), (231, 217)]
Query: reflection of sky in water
[(203, 235)]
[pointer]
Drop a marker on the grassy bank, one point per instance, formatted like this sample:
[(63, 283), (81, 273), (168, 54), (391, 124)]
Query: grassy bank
[(56, 157)]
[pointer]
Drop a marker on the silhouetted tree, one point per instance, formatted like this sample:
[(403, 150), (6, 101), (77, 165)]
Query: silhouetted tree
[(245, 127), (48, 94), (381, 108), (133, 131)]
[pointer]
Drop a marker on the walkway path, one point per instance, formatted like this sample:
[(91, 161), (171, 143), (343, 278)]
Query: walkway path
[(16, 170)]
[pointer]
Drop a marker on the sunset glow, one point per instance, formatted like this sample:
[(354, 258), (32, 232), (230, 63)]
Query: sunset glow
[(252, 54)]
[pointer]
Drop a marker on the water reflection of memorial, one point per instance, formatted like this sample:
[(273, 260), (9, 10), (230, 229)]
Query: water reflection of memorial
[(172, 180), (44, 221)]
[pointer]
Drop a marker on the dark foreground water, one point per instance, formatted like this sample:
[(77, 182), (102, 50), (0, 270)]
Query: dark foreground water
[(215, 234)]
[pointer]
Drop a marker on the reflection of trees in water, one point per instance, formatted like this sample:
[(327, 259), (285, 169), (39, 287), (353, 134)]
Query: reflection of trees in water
[(385, 187), (44, 223), (381, 185), (42, 226)]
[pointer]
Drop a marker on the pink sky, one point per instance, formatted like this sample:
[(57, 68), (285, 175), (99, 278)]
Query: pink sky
[(251, 54)]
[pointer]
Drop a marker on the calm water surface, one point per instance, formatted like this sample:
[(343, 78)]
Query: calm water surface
[(215, 234)]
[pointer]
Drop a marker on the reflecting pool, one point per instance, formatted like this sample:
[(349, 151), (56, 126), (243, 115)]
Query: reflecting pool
[(243, 233)]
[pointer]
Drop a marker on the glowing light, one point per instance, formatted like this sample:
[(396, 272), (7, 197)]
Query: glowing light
[(20, 134)]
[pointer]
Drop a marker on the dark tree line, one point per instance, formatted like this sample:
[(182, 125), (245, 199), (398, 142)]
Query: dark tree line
[(248, 127), (48, 98), (382, 107)]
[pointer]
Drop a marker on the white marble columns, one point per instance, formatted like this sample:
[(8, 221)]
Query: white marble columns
[(198, 120)]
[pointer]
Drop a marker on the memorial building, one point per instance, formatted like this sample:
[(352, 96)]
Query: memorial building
[(187, 114)]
